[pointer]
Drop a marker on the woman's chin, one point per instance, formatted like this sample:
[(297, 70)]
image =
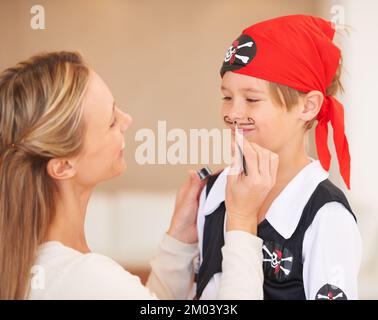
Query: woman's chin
[(120, 168), (123, 167)]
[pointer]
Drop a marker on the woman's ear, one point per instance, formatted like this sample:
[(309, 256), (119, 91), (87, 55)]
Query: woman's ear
[(60, 169), (312, 103)]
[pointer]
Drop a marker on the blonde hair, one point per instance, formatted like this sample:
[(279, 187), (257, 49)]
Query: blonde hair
[(288, 97), (40, 119)]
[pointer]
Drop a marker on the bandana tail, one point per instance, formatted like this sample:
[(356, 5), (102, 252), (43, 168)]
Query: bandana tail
[(336, 117)]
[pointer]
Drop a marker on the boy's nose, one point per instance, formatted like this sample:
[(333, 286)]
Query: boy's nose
[(237, 111)]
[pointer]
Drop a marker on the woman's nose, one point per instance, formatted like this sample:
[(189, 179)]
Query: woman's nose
[(127, 120)]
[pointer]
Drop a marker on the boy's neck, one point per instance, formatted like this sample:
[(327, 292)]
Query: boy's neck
[(292, 161), (293, 158)]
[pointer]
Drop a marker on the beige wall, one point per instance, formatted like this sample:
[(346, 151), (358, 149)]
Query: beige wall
[(160, 58)]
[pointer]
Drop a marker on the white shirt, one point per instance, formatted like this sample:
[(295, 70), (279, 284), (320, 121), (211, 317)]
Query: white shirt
[(331, 246), (61, 272)]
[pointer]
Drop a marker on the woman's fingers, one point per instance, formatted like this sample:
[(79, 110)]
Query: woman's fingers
[(261, 163), (196, 184), (244, 197), (183, 222), (264, 160), (236, 164), (251, 159)]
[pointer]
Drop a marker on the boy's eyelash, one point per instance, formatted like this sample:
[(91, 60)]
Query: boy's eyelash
[(248, 100)]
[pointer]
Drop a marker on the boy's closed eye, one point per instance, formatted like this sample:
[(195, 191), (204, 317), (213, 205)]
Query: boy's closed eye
[(250, 100)]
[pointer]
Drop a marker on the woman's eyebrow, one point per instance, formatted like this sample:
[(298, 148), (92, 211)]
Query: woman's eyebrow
[(111, 118)]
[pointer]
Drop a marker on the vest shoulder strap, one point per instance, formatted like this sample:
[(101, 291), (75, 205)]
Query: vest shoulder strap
[(211, 181), (324, 193)]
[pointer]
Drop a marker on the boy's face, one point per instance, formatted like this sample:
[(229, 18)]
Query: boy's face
[(247, 100)]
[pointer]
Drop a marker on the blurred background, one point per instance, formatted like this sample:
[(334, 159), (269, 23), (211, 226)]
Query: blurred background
[(161, 59)]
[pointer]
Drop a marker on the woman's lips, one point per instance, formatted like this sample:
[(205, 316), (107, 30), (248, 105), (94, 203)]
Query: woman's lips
[(121, 153)]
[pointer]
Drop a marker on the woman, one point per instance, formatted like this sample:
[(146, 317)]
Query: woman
[(61, 134)]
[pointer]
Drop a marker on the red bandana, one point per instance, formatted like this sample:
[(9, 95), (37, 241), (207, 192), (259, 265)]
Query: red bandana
[(296, 51)]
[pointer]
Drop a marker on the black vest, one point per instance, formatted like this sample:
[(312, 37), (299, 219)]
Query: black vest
[(282, 264)]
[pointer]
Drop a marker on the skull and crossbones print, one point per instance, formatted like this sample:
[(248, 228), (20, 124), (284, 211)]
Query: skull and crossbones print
[(330, 292), (239, 54), (277, 260), (231, 52)]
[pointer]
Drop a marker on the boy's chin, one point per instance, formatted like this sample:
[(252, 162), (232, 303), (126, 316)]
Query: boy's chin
[(249, 139)]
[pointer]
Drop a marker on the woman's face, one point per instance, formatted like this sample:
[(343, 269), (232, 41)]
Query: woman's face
[(103, 154), (247, 100)]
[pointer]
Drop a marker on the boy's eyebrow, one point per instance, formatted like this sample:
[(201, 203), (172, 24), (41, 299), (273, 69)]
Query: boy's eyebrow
[(245, 89)]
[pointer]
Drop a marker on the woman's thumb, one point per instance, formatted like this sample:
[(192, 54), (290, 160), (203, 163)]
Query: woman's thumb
[(195, 182)]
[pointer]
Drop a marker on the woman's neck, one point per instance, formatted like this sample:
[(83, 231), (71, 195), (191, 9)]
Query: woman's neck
[(67, 225)]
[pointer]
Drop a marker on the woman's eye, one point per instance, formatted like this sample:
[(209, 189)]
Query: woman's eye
[(252, 100), (226, 98), (113, 123)]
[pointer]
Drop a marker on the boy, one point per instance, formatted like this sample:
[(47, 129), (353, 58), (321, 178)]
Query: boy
[(277, 78)]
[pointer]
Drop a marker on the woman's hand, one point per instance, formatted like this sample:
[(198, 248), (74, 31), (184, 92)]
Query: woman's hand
[(184, 220), (246, 194)]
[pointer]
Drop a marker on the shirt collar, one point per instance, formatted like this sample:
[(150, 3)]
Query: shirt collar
[(217, 193), (286, 210)]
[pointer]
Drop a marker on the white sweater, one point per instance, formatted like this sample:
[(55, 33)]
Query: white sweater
[(64, 273)]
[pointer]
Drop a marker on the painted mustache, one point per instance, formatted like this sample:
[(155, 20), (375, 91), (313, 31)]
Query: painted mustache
[(234, 123)]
